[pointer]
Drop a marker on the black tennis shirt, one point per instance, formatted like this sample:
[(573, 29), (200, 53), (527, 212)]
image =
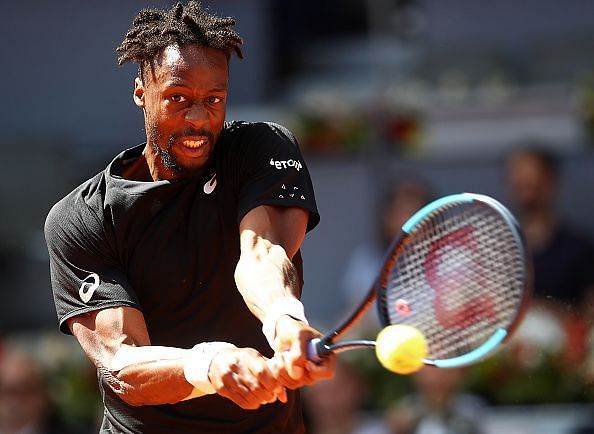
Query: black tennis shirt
[(169, 249)]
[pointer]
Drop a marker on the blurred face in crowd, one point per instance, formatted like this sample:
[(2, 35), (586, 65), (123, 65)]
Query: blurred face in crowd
[(406, 198), (532, 186), (183, 96), (23, 399)]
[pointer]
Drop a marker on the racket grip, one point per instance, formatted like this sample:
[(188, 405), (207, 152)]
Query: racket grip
[(317, 350)]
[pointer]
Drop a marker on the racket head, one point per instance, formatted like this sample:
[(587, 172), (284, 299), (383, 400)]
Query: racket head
[(457, 272)]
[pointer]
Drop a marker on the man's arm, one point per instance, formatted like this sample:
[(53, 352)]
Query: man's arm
[(270, 236), (117, 342)]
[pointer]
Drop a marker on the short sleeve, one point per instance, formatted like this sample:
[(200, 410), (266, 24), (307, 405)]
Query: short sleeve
[(84, 275), (272, 171)]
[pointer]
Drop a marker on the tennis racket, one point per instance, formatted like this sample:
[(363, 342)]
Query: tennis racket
[(458, 273)]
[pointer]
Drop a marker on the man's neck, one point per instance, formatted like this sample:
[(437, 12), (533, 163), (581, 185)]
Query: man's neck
[(137, 170)]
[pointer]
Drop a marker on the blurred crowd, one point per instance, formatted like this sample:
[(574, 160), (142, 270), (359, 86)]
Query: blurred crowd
[(355, 80)]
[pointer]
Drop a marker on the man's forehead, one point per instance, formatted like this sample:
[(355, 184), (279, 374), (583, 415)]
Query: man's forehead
[(174, 60), (171, 55), (174, 56)]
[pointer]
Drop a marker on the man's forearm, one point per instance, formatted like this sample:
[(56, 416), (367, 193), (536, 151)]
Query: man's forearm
[(151, 383), (153, 375), (268, 282), (265, 275)]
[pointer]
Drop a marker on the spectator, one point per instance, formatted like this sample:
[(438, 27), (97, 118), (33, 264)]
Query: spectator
[(24, 403), (563, 258)]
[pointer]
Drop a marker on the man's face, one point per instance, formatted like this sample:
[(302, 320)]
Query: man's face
[(184, 98), (22, 395), (531, 186)]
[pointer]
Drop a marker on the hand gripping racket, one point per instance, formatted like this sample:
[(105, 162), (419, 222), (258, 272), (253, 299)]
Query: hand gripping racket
[(458, 273)]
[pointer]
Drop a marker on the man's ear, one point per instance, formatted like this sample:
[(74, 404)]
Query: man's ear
[(138, 92)]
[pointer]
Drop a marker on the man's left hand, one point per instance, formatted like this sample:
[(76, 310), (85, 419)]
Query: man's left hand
[(290, 363)]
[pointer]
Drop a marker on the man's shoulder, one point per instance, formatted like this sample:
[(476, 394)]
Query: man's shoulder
[(92, 194), (81, 206), (247, 131), (88, 191)]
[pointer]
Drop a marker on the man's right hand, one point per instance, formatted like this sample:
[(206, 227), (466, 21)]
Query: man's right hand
[(243, 376)]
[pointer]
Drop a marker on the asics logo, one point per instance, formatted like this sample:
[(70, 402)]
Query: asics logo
[(210, 184), (284, 164), (88, 287)]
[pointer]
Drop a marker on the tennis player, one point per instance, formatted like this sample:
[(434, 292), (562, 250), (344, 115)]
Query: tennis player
[(177, 268)]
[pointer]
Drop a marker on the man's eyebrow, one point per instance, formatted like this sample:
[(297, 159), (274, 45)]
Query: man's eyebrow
[(174, 83)]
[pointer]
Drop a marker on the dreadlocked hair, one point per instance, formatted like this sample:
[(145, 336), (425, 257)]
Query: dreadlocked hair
[(154, 29)]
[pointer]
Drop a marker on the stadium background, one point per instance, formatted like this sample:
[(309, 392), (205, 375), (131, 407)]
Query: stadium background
[(372, 89)]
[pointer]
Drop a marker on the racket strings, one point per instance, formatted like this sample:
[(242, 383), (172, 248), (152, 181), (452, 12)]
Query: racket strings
[(460, 276)]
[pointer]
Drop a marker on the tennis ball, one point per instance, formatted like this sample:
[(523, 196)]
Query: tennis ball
[(401, 349)]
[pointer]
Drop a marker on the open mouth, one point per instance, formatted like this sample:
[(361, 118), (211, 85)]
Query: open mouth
[(195, 146), (194, 143)]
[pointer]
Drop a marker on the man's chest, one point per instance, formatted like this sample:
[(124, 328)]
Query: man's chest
[(178, 244)]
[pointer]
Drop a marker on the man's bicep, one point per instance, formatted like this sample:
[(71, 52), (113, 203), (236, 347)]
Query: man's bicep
[(282, 226), (102, 333)]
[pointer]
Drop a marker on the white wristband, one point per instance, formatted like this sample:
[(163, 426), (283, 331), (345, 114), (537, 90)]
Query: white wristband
[(283, 306), (197, 364)]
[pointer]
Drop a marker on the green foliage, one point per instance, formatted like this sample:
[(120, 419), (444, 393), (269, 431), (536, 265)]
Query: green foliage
[(507, 378), (385, 386)]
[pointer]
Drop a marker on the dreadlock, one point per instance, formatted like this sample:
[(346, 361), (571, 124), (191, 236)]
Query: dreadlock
[(154, 29)]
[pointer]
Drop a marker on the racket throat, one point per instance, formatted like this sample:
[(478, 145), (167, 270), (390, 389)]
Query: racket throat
[(320, 348), (351, 345)]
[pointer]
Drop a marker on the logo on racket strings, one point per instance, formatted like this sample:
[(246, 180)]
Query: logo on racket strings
[(453, 271)]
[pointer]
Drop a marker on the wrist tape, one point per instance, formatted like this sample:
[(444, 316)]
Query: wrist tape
[(197, 364), (283, 306)]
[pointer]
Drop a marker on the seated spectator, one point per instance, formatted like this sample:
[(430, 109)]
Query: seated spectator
[(562, 257)]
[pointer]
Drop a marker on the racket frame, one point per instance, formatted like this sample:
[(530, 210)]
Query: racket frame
[(321, 347)]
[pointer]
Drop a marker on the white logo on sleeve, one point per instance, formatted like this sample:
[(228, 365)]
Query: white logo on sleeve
[(285, 164), (88, 287), (210, 184)]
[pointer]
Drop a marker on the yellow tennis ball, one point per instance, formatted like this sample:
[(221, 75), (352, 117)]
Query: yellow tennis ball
[(401, 349)]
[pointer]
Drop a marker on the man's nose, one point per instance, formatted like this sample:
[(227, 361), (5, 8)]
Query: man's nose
[(197, 114)]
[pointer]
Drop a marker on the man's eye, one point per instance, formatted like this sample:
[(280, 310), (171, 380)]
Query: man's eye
[(214, 99), (177, 98)]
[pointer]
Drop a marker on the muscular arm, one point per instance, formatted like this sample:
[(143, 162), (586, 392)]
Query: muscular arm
[(270, 237), (117, 342), (159, 381)]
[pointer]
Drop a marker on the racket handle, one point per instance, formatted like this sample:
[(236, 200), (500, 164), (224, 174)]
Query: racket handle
[(317, 350)]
